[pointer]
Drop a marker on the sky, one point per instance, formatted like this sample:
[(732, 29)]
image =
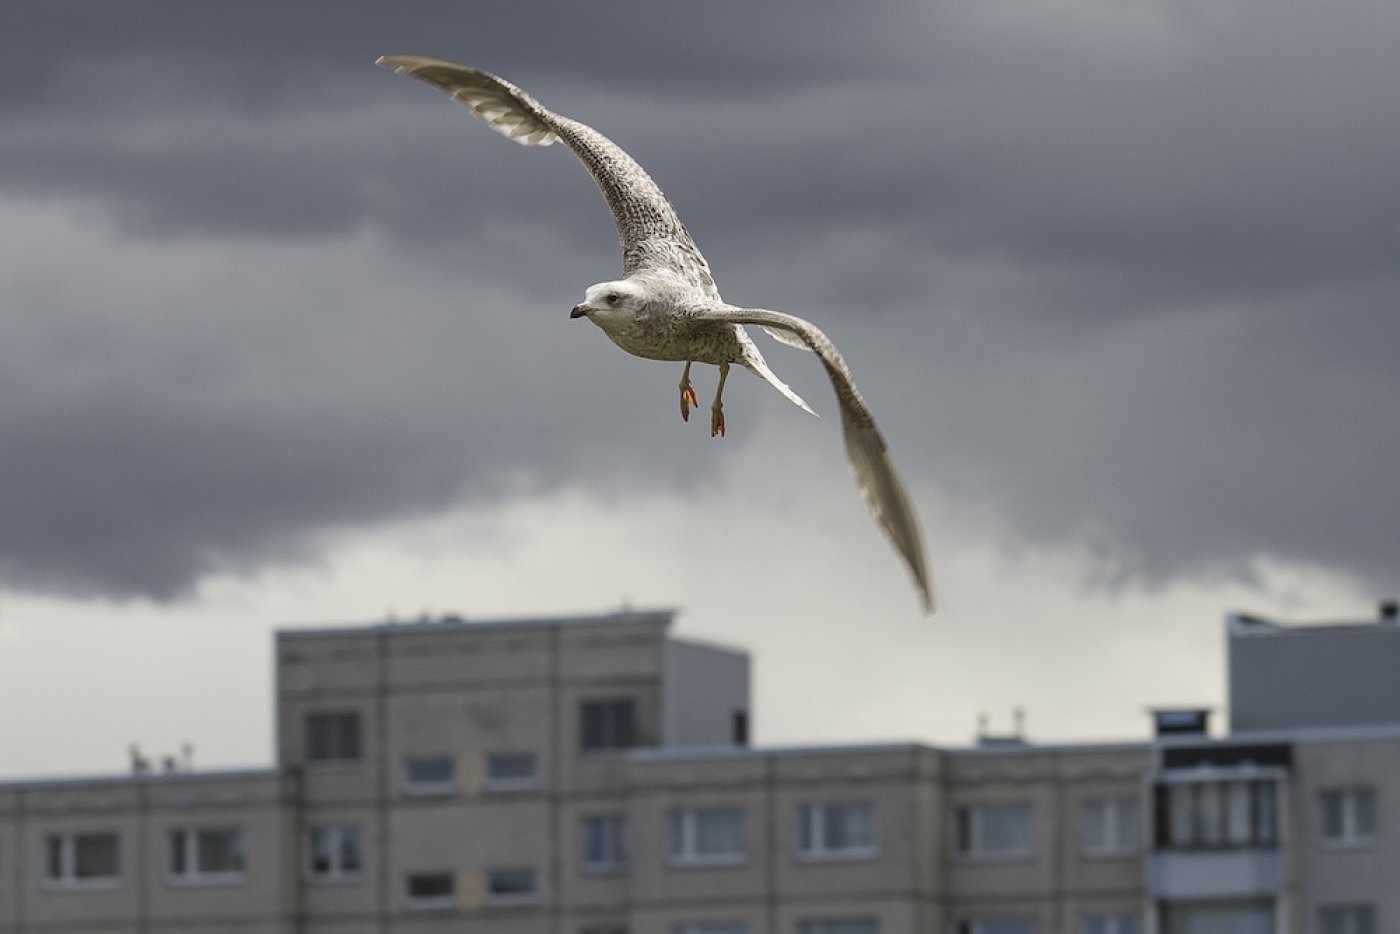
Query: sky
[(286, 343)]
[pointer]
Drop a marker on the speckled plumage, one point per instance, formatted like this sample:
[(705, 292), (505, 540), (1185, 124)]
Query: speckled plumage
[(667, 306)]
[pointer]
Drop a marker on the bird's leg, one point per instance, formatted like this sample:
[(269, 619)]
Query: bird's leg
[(687, 394), (717, 410)]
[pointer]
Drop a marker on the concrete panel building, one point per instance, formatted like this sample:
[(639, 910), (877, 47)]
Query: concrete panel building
[(593, 775)]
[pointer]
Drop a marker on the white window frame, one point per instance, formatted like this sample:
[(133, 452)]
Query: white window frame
[(68, 880), (430, 902), (690, 818), (433, 786), (815, 823), (188, 840), (337, 871), (1112, 922), (499, 900), (619, 840), (1120, 813), (513, 783), (1351, 833), (976, 845)]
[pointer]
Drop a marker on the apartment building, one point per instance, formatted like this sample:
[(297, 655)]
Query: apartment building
[(593, 775)]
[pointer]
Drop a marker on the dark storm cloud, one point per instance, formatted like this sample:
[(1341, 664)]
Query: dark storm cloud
[(1126, 270)]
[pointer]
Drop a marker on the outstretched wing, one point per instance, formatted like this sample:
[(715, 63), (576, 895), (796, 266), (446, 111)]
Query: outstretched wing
[(865, 448), (648, 229)]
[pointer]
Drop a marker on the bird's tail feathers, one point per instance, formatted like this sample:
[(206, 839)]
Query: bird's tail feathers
[(760, 369)]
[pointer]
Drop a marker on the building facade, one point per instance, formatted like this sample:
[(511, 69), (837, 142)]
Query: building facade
[(594, 776)]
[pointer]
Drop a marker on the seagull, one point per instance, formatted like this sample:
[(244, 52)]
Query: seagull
[(666, 306)]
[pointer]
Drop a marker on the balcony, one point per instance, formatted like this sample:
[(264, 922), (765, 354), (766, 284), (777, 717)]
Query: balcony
[(1201, 874)]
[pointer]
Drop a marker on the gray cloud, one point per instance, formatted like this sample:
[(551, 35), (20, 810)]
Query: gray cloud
[(1125, 274)]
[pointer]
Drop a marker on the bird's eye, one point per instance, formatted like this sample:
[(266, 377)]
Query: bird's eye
[(612, 298)]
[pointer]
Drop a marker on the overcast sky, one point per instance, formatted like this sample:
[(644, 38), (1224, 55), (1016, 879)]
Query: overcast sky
[(285, 342)]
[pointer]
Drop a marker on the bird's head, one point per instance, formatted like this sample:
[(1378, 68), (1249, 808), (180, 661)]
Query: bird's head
[(610, 303)]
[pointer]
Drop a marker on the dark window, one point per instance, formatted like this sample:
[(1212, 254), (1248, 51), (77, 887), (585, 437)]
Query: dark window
[(1217, 814), (333, 736), (604, 842), (1349, 919), (507, 885), (1188, 757), (428, 886), (430, 772), (198, 853), (510, 768), (86, 857), (740, 727), (609, 724), (333, 851)]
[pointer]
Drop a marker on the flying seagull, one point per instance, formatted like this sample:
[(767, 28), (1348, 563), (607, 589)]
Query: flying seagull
[(666, 306)]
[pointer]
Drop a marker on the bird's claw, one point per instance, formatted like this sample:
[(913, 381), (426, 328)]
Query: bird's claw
[(717, 422), (687, 400)]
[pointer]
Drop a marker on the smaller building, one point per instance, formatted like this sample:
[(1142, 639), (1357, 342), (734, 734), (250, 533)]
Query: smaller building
[(1337, 674), (592, 775)]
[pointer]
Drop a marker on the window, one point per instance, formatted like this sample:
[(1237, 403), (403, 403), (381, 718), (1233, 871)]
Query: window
[(1349, 816), (1217, 814), (207, 854), (510, 886), (707, 835), (1218, 918), (1349, 919), (1109, 826), (427, 775), (994, 831), (709, 927), (827, 831), (839, 926), (76, 860), (430, 890), (997, 926), (333, 736), (507, 770), (333, 852), (608, 724), (603, 842), (1123, 923)]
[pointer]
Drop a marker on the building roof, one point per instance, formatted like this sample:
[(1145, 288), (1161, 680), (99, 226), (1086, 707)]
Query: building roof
[(155, 776), (659, 617)]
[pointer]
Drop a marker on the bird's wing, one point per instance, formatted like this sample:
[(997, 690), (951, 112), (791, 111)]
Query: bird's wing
[(870, 458), (650, 232)]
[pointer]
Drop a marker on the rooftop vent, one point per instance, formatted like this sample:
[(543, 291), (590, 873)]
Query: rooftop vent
[(1181, 721), (1017, 738)]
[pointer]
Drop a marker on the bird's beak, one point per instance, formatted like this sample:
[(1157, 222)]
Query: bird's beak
[(579, 311)]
